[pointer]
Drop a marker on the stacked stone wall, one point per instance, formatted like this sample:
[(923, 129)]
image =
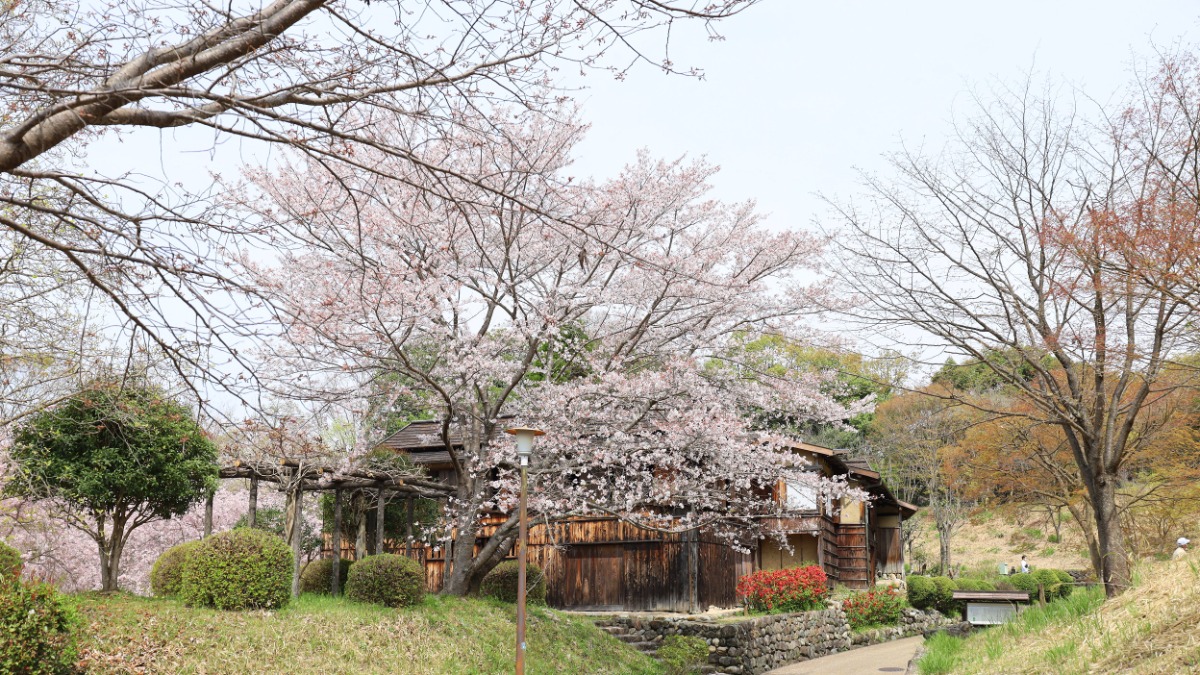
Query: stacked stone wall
[(758, 644)]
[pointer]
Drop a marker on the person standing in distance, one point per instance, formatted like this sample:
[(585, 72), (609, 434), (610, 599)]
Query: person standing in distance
[(1181, 548)]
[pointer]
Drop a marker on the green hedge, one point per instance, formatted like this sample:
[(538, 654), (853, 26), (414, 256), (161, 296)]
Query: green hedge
[(944, 595), (239, 569), (317, 576), (922, 593), (1024, 582), (166, 576), (391, 580), (37, 630), (501, 583)]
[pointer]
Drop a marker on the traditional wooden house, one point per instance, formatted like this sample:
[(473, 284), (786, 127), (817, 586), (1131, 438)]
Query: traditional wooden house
[(606, 564)]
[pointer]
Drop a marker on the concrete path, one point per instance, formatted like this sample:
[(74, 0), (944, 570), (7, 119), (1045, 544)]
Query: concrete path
[(889, 657)]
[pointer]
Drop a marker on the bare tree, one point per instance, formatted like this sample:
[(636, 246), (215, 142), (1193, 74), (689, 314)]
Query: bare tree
[(311, 75), (1001, 249)]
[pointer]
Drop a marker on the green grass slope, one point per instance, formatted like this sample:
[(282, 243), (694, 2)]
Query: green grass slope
[(1152, 628), (125, 633)]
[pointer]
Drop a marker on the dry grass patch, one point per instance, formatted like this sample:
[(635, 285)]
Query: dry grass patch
[(1149, 629), (323, 635)]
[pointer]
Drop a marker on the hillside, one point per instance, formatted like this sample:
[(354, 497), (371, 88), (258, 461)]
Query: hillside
[(989, 538), (1149, 629), (131, 634)]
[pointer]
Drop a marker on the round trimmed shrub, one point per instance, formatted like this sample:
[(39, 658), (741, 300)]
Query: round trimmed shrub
[(1049, 581), (36, 630), (10, 562), (501, 583), (387, 579), (238, 569), (1024, 582), (1065, 583), (167, 574), (921, 592), (944, 595), (317, 575)]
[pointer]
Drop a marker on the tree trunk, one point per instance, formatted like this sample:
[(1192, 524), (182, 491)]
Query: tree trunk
[(335, 584), (471, 566), (380, 507), (1114, 557), (458, 580), (297, 536), (944, 549), (110, 554), (107, 579), (252, 511), (208, 515)]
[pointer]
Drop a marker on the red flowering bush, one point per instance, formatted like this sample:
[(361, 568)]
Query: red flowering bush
[(798, 589), (879, 607)]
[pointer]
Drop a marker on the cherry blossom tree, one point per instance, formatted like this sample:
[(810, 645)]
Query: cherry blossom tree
[(312, 75), (598, 311)]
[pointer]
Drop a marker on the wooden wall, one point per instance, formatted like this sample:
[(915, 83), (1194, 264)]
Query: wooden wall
[(890, 553), (607, 564)]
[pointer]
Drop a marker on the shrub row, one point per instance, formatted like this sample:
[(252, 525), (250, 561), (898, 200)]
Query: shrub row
[(937, 592), (797, 589), (876, 607), (1057, 583), (252, 569)]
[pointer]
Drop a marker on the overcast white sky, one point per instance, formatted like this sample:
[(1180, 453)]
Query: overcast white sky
[(801, 93)]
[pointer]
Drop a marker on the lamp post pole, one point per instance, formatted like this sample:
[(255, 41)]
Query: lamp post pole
[(521, 558), (524, 449)]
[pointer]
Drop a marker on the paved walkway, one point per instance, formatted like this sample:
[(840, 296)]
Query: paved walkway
[(889, 657)]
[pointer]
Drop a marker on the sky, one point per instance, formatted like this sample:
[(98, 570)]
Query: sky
[(801, 95)]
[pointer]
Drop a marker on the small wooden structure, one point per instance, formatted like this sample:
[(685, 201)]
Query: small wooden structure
[(296, 477), (991, 608)]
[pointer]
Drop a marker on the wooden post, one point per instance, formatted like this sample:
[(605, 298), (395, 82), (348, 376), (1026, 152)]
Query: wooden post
[(380, 505), (252, 512), (335, 587), (208, 515), (693, 560), (360, 542), (408, 538), (297, 533)]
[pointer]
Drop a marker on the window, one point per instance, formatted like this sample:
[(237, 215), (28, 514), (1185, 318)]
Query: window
[(801, 497)]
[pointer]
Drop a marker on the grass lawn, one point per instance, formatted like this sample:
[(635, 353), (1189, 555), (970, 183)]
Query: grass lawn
[(316, 634)]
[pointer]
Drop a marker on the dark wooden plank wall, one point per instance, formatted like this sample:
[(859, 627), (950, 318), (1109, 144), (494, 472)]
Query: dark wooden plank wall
[(832, 558), (890, 554), (853, 569), (608, 564)]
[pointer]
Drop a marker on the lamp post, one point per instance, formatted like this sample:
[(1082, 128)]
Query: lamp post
[(525, 438)]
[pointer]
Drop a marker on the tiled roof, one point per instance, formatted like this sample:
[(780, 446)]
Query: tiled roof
[(424, 434)]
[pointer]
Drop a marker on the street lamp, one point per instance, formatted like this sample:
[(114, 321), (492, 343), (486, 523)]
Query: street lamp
[(525, 438)]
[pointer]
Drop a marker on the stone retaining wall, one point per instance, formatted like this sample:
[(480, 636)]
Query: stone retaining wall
[(761, 643)]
